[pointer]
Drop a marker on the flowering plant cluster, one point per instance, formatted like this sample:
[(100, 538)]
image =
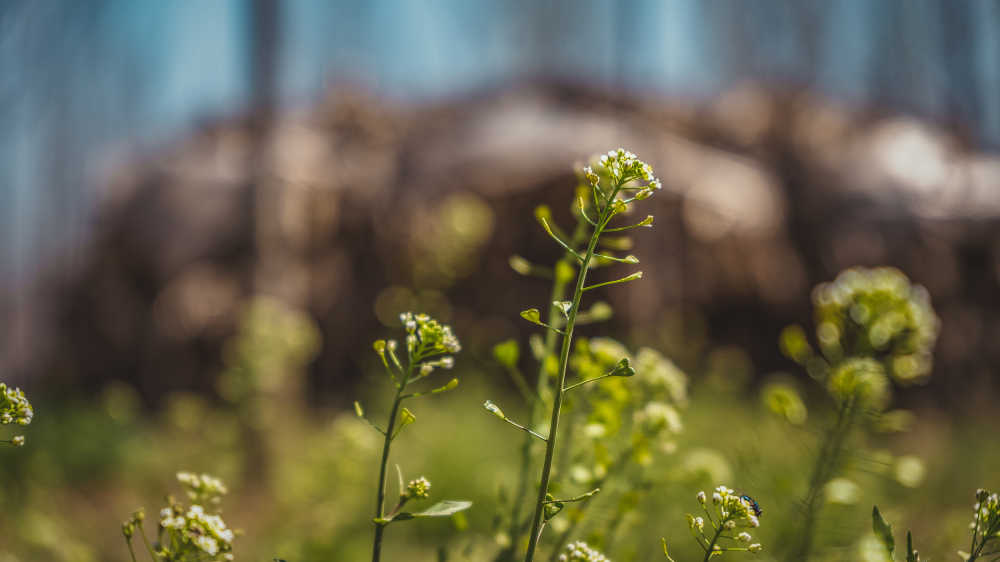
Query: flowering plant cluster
[(985, 527), (730, 516), (610, 187), (873, 328), (580, 552), (196, 532), (14, 410), (429, 344)]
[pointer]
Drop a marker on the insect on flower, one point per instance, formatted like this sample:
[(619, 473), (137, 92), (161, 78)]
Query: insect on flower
[(754, 506)]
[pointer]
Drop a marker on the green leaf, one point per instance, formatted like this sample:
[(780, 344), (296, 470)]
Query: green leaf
[(358, 409), (883, 532), (443, 509), (911, 555), (507, 353)]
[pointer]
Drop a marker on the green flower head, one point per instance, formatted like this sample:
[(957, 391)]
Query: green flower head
[(877, 312)]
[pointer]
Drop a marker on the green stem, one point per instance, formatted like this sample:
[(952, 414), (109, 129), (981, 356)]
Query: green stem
[(145, 541), (711, 545), (131, 550), (541, 385), (550, 447), (380, 500), (826, 465)]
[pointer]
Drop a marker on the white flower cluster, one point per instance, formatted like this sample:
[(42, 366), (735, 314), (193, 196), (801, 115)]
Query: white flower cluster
[(202, 488), (14, 406), (196, 531), (581, 552), (987, 521), (418, 489), (196, 528), (427, 337), (658, 372), (624, 166), (732, 511), (657, 417)]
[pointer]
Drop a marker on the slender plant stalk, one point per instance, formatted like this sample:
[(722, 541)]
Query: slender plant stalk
[(543, 488), (131, 550), (517, 527), (824, 470), (711, 545), (380, 500)]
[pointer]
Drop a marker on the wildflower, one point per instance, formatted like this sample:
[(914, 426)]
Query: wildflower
[(878, 309), (581, 552), (755, 548), (14, 406), (623, 167), (732, 512), (418, 489), (861, 379), (17, 441)]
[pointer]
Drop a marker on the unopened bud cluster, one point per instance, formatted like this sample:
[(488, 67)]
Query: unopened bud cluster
[(418, 489), (581, 552)]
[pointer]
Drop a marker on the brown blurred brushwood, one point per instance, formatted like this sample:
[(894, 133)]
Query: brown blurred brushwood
[(767, 195)]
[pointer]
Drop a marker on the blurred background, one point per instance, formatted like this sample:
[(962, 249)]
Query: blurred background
[(208, 210)]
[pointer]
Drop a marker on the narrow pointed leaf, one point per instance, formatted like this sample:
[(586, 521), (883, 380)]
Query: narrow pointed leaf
[(402, 486), (883, 532), (443, 508)]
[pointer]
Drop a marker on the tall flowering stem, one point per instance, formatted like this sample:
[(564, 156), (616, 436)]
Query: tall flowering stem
[(985, 527), (873, 328), (624, 175), (428, 345)]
